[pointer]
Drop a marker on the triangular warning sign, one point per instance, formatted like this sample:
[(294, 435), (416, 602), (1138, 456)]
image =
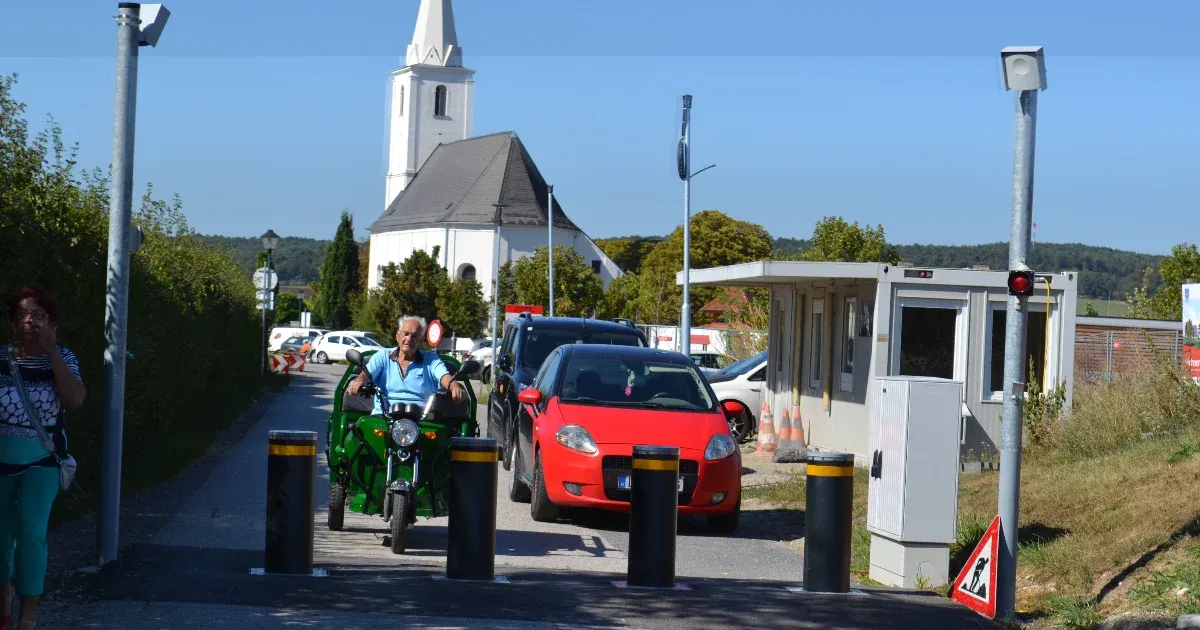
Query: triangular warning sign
[(975, 586)]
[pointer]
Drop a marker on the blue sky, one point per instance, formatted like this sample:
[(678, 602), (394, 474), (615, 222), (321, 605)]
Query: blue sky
[(270, 114)]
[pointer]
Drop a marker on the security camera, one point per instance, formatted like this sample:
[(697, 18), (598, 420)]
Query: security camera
[(154, 19), (1024, 68)]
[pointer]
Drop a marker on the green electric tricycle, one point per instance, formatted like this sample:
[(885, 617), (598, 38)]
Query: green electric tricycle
[(395, 465)]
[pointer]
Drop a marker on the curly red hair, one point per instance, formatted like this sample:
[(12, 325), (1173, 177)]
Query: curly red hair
[(39, 296)]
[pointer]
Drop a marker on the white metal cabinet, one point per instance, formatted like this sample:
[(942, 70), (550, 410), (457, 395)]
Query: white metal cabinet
[(914, 441)]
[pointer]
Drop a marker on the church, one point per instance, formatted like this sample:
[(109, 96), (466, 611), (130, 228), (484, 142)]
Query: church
[(449, 189)]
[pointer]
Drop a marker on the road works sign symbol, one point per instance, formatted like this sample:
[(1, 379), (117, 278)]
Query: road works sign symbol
[(975, 586)]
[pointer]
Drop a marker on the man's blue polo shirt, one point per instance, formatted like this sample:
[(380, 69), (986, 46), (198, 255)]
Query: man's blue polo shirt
[(422, 381)]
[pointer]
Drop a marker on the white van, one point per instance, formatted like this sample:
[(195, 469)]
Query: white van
[(280, 334)]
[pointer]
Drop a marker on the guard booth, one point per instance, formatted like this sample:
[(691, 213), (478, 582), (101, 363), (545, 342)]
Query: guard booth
[(836, 327)]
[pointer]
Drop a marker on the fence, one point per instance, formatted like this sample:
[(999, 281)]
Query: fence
[(1103, 355)]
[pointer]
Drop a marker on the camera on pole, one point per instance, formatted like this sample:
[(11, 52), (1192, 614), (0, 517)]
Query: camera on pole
[(1020, 283)]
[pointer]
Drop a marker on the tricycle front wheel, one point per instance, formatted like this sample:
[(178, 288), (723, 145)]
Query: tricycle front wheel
[(337, 505), (400, 514)]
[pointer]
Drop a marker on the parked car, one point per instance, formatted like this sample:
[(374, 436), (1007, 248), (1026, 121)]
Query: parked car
[(710, 360), (589, 405), (526, 343), (743, 382), (333, 346), (279, 334), (482, 352), (294, 343)]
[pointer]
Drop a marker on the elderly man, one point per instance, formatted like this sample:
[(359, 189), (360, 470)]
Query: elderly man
[(407, 374)]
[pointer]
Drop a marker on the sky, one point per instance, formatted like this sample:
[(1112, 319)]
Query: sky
[(270, 114)]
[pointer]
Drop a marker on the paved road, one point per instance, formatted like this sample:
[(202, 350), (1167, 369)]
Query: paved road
[(195, 571)]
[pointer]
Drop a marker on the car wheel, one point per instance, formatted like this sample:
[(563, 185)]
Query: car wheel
[(518, 492), (510, 443), (739, 427), (541, 507), (486, 377), (726, 523), (322, 358), (337, 505)]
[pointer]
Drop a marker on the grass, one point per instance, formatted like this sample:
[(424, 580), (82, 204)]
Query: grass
[(1176, 589), (1104, 308)]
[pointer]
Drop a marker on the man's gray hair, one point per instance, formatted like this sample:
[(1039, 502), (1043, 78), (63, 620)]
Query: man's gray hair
[(416, 318)]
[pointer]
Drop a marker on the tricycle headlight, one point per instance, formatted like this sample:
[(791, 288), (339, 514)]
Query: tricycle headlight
[(576, 438), (719, 447), (405, 432)]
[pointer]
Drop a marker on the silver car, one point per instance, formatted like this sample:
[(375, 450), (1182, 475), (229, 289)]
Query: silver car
[(744, 381)]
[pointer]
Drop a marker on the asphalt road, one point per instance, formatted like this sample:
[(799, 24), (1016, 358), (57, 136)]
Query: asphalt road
[(195, 570)]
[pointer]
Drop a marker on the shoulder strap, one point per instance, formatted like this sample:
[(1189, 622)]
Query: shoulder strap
[(30, 410)]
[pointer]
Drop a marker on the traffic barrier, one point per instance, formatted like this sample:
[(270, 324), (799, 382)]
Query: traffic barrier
[(471, 547), (653, 515), (291, 503), (285, 362), (767, 440), (791, 447), (828, 510)]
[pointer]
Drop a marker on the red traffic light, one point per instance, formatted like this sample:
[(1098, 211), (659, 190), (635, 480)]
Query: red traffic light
[(1020, 283)]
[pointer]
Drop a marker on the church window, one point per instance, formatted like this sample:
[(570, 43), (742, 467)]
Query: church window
[(468, 272), (400, 106), (439, 101), (595, 266)]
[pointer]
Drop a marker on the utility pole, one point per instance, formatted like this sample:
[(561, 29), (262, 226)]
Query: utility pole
[(550, 242), (1025, 71), (496, 290)]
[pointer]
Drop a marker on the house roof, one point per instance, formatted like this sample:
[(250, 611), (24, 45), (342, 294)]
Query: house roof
[(731, 300), (461, 180)]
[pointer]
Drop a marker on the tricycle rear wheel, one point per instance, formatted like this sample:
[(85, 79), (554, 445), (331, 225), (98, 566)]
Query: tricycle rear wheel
[(400, 514), (337, 505)]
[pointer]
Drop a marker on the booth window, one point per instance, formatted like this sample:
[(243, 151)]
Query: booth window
[(1035, 352), (927, 340), (816, 346), (848, 332)]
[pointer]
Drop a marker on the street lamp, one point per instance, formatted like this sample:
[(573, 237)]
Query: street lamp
[(550, 243), (496, 290), (269, 241), (137, 25), (1024, 71), (684, 164)]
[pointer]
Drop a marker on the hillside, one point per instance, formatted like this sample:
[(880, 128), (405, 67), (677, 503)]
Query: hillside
[(1104, 273), (297, 260)]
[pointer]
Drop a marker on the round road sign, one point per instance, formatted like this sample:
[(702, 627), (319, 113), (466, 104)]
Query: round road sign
[(434, 333)]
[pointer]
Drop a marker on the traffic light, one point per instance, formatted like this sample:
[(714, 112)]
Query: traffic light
[(1020, 283)]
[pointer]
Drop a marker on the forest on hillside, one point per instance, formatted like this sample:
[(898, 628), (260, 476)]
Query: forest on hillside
[(1104, 273)]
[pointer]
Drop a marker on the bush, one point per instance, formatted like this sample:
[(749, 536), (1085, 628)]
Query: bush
[(193, 333)]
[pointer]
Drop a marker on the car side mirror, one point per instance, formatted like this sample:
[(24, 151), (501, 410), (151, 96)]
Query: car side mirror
[(356, 358), (470, 367), (504, 362), (733, 408), (530, 396)]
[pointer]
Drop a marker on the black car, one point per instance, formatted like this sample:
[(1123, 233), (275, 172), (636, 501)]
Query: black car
[(527, 341)]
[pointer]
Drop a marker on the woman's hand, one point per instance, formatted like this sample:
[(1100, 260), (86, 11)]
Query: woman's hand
[(46, 335)]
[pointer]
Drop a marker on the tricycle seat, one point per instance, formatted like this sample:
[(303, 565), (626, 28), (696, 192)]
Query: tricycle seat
[(358, 404)]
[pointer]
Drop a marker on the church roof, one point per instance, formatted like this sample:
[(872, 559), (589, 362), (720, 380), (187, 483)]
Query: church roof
[(461, 180), (434, 39)]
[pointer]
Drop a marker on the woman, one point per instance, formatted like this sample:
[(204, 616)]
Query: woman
[(28, 471)]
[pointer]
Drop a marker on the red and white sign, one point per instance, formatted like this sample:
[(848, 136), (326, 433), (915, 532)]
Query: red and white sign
[(975, 586), (286, 362), (511, 311), (433, 333)]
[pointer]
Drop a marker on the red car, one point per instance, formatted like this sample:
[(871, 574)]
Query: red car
[(590, 404)]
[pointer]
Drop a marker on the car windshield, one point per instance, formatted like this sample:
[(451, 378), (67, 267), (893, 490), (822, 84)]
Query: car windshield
[(745, 365), (367, 341), (540, 343), (634, 382)]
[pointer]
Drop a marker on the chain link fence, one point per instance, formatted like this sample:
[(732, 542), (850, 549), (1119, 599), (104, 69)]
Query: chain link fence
[(1104, 355)]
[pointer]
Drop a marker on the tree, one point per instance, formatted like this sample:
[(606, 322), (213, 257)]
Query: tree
[(716, 240), (412, 288), (287, 308), (1167, 302), (462, 309), (834, 239), (507, 294), (620, 300), (1089, 310), (628, 252), (339, 276), (577, 289)]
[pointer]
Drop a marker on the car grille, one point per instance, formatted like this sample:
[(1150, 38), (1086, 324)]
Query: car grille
[(613, 466)]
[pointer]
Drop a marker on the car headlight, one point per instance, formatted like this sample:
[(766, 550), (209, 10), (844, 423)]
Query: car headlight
[(719, 447), (405, 432), (576, 438)]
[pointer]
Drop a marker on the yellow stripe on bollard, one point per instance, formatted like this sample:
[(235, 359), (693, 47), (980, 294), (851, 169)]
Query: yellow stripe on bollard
[(656, 464), (292, 449), (817, 470), (486, 457)]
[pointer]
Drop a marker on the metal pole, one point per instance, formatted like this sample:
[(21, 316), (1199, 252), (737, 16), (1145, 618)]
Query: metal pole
[(1014, 355), (550, 243), (685, 316), (262, 307), (116, 308), (496, 292)]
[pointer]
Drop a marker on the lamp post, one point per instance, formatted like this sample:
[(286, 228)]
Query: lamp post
[(684, 162), (496, 291), (1024, 71), (269, 241), (550, 243), (137, 25)]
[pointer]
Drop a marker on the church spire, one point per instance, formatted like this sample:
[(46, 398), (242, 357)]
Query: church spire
[(434, 40)]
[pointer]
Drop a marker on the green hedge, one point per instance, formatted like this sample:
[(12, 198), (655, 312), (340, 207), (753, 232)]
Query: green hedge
[(194, 332)]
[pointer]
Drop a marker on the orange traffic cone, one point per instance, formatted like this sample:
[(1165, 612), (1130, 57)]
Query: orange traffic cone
[(767, 440), (789, 451)]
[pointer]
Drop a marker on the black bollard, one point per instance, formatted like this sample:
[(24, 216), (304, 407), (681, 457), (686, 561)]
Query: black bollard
[(653, 514), (471, 547), (828, 513), (291, 504)]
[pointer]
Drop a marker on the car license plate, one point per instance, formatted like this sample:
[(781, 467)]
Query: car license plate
[(625, 482)]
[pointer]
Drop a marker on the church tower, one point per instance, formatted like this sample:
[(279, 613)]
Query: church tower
[(431, 97)]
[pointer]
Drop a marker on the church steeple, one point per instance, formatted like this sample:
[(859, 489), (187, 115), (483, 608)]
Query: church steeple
[(434, 40)]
